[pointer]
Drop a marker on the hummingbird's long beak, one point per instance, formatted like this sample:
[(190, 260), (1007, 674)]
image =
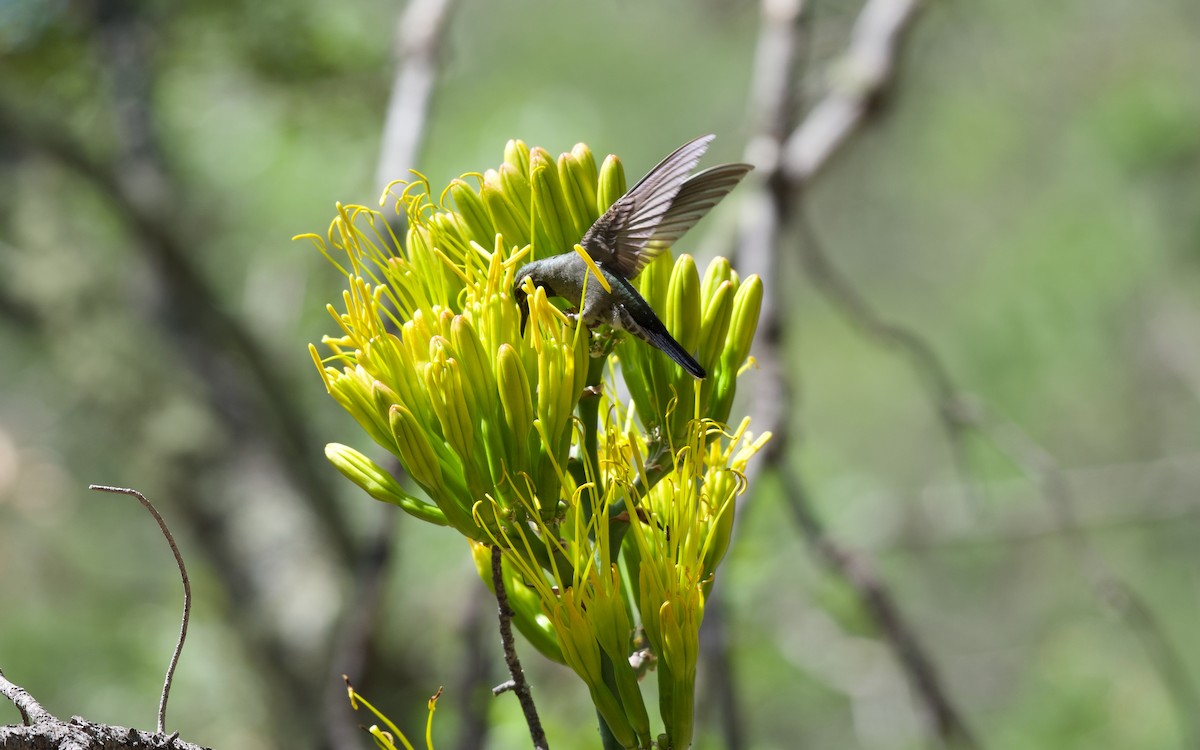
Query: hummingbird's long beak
[(522, 302)]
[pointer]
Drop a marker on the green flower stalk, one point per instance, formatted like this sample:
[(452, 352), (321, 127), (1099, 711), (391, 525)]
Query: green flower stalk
[(612, 512)]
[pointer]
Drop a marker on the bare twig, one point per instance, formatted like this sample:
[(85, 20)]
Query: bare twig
[(31, 711), (420, 35), (518, 683), (187, 594)]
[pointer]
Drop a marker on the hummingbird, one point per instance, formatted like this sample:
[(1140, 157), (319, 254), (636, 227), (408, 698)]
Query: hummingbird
[(637, 228)]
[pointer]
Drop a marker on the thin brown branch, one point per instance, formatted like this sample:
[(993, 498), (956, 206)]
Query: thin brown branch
[(187, 595), (420, 35), (878, 600), (290, 689), (518, 683)]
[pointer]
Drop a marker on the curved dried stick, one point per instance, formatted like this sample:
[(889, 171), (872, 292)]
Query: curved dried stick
[(187, 594), (517, 684)]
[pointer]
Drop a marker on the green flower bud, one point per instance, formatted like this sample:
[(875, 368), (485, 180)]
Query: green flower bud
[(413, 447), (714, 324), (683, 303), (515, 400), (519, 192), (583, 155), (747, 304), (504, 213), (379, 484), (611, 185), (553, 228), (516, 155), (578, 181), (474, 214), (718, 272)]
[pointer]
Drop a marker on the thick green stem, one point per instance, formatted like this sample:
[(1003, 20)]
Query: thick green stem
[(607, 740)]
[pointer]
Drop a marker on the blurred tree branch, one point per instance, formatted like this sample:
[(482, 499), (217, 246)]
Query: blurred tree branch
[(207, 324), (790, 154), (864, 74), (863, 77), (143, 195), (148, 198), (859, 573), (420, 37), (206, 332)]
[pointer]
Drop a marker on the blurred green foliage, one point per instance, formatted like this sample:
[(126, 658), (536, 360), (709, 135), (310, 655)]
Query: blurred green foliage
[(1028, 200)]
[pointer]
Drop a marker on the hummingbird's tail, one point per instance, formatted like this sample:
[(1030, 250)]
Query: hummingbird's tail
[(646, 326), (657, 336)]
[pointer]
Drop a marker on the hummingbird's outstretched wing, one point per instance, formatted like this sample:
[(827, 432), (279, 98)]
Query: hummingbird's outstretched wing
[(696, 197), (659, 209)]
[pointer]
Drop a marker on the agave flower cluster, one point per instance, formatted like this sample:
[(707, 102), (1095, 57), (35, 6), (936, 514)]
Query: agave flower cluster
[(606, 474)]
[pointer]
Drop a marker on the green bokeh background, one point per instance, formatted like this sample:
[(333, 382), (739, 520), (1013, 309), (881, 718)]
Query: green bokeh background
[(1027, 199)]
